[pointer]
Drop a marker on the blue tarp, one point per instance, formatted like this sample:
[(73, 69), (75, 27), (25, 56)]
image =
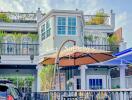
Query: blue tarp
[(122, 58)]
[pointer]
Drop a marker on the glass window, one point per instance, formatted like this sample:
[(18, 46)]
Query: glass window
[(72, 25), (95, 83), (61, 25), (45, 30), (78, 83)]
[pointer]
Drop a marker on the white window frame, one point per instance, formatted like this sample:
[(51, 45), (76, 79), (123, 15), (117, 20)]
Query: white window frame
[(66, 34), (103, 77), (49, 28)]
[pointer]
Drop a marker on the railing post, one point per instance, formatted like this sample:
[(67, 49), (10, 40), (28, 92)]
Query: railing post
[(48, 95)]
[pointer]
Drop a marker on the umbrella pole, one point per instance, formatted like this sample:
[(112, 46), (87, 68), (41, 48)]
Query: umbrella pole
[(57, 62)]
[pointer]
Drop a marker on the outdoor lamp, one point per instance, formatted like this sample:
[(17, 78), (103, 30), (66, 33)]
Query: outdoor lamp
[(0, 58), (31, 58)]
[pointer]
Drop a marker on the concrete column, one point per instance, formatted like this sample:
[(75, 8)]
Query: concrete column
[(112, 19), (83, 76), (122, 81), (38, 78), (39, 14), (122, 76), (109, 79)]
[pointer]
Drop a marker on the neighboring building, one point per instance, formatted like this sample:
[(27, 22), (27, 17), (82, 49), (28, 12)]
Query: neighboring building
[(18, 45), (21, 50)]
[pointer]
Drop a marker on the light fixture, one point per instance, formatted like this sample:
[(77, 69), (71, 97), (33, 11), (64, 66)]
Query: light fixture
[(31, 58), (0, 58)]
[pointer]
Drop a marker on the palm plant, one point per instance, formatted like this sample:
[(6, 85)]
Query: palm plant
[(46, 76), (34, 37)]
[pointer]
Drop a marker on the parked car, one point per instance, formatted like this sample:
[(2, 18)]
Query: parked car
[(8, 91)]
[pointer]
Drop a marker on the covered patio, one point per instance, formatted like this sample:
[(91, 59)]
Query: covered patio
[(122, 61)]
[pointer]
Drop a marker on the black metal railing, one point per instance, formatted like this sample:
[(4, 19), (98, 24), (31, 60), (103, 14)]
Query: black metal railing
[(18, 49), (96, 20), (112, 48), (108, 94)]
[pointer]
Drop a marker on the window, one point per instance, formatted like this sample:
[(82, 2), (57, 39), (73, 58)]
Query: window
[(45, 30), (78, 84), (71, 25), (95, 83), (66, 25), (61, 25)]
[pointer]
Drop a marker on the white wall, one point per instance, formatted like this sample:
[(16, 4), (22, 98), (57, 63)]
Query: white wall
[(116, 82)]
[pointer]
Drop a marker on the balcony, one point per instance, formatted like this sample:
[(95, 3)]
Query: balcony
[(15, 17), (112, 48), (97, 20), (18, 49)]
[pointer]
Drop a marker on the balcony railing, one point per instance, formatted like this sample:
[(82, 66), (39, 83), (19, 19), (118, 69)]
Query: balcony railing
[(112, 48), (15, 17), (96, 20), (18, 49), (109, 94)]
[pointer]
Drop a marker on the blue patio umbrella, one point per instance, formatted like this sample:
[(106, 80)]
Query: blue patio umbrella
[(121, 58)]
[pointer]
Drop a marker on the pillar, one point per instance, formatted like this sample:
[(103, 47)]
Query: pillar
[(39, 14), (122, 76), (109, 79), (112, 19), (38, 78), (122, 81), (83, 76)]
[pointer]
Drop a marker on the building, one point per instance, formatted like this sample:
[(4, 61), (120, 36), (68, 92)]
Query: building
[(21, 49), (95, 31)]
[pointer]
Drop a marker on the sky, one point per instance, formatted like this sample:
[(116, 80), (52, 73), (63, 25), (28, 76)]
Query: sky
[(122, 9)]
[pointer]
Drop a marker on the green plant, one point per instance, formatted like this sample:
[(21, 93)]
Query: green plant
[(4, 17), (90, 38), (18, 37), (99, 18), (2, 34), (46, 76), (112, 40), (34, 37)]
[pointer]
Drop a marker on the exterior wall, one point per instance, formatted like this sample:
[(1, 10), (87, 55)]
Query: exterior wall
[(96, 73), (47, 44), (116, 82), (22, 60), (23, 72), (25, 27)]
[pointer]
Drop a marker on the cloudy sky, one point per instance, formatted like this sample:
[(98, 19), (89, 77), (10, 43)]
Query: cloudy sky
[(122, 8)]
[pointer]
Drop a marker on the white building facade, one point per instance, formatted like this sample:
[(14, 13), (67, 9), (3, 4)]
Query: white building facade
[(52, 29)]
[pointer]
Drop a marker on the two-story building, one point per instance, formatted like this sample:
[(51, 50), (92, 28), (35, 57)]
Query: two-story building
[(94, 31)]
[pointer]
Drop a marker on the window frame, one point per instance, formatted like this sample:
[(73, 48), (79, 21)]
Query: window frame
[(66, 29), (45, 30)]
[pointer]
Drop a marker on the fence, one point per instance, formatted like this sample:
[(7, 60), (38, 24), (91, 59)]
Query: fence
[(18, 49), (110, 94)]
